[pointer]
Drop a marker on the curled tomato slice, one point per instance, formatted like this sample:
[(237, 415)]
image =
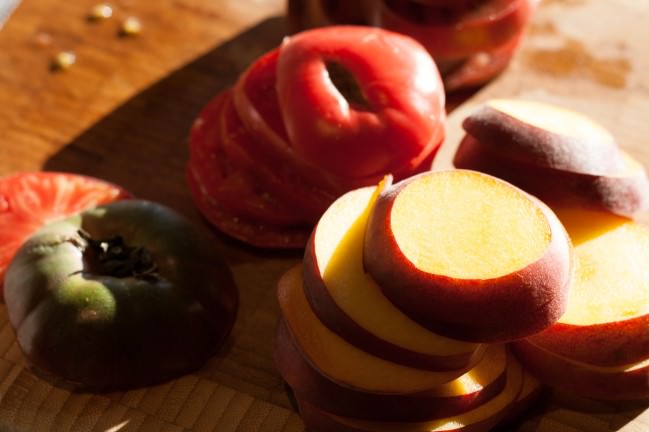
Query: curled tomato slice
[(29, 200)]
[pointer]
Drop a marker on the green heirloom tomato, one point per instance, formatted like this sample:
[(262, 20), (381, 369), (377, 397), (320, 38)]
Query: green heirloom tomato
[(126, 294)]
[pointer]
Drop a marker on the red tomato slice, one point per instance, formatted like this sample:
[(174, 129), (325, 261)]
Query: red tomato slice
[(256, 101), (255, 97), (489, 25), (481, 67), (227, 182), (280, 180), (30, 200), (248, 232), (390, 115)]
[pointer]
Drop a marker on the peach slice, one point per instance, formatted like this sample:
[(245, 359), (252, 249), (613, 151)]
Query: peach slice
[(607, 316), (480, 419), (628, 382), (544, 135), (464, 393), (350, 303), (531, 390), (342, 362), (469, 255), (624, 192)]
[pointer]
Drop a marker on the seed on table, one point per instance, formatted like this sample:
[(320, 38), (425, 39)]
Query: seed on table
[(131, 27), (100, 12), (42, 39), (63, 60)]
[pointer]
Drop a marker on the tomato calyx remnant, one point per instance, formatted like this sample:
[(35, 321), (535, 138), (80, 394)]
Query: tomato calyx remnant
[(113, 257), (347, 85)]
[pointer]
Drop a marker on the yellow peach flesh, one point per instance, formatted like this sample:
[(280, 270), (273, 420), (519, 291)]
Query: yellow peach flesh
[(482, 413), (632, 166), (611, 267), (339, 253), (339, 360), (467, 225)]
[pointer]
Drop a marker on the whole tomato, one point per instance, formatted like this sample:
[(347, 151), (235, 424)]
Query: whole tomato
[(126, 294)]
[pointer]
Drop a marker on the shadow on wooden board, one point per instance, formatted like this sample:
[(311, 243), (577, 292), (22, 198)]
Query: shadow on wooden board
[(142, 144)]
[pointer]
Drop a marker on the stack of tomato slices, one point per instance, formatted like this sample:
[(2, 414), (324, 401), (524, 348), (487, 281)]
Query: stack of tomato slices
[(471, 40), (317, 116)]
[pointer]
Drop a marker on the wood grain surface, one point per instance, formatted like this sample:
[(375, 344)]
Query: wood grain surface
[(122, 113)]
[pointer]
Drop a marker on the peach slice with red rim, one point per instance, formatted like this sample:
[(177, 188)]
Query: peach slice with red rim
[(544, 135), (558, 155), (470, 390), (480, 419), (343, 363), (469, 255), (623, 192), (607, 315), (627, 382), (350, 303)]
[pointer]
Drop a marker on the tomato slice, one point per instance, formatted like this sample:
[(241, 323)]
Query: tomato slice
[(251, 233), (226, 179), (255, 97), (481, 67), (348, 110), (280, 180), (29, 200), (256, 101), (460, 33)]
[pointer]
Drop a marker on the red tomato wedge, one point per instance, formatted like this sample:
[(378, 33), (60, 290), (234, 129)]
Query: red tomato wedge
[(31, 199), (467, 31)]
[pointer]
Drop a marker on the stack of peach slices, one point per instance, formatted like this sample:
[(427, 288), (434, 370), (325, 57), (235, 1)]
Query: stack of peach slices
[(599, 348), (410, 295)]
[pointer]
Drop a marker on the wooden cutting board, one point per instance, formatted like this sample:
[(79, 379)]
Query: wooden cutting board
[(122, 113)]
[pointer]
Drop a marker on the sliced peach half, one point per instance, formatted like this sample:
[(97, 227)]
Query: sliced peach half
[(480, 419), (606, 322), (469, 255), (475, 387), (624, 192), (544, 135), (348, 301), (341, 362), (628, 382)]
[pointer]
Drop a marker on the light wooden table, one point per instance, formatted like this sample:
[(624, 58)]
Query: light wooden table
[(122, 113)]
